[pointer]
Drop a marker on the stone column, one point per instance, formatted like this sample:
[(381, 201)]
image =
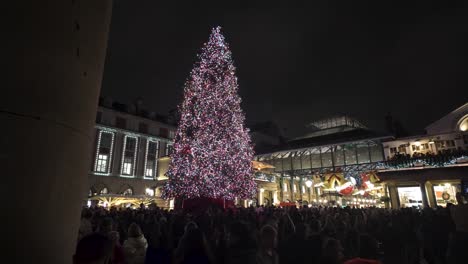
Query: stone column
[(47, 112), (260, 196), (430, 194), (394, 196), (422, 186)]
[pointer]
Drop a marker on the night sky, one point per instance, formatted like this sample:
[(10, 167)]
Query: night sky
[(301, 62)]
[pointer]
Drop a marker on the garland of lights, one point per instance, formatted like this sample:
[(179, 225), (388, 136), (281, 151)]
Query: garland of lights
[(212, 152), (421, 163)]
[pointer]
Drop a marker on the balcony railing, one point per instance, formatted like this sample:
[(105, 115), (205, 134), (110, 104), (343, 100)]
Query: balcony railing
[(260, 176), (445, 159)]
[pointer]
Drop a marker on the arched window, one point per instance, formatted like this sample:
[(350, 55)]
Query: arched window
[(128, 191), (463, 124), (104, 191), (149, 192)]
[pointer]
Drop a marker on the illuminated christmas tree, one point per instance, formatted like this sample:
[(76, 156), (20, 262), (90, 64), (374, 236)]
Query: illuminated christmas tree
[(212, 150)]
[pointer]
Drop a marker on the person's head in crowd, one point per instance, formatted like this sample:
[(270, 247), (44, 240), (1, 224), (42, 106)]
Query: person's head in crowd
[(194, 242), (93, 249), (368, 247), (106, 226), (134, 230), (155, 235), (332, 252), (240, 235), (314, 226), (190, 225), (268, 237), (114, 236)]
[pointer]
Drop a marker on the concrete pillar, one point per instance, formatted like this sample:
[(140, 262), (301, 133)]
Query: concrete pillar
[(260, 196), (292, 194), (47, 112), (430, 194), (422, 186), (394, 196)]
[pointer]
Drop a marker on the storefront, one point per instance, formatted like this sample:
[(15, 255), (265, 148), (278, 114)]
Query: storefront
[(410, 196), (424, 187)]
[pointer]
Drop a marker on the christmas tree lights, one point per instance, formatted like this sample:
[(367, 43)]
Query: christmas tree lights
[(212, 151)]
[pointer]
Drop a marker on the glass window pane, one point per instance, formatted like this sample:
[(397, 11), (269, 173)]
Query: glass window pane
[(363, 153), (305, 158), (316, 163), (106, 140), (287, 163), (326, 157), (376, 153), (296, 162), (338, 156), (277, 164), (350, 154)]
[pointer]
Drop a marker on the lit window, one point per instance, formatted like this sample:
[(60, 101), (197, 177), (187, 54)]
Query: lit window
[(152, 152), (464, 124), (285, 187), (149, 192), (402, 149), (129, 155), (127, 166), (104, 191), (294, 186), (104, 151), (129, 191), (171, 133), (169, 149), (101, 163), (303, 189)]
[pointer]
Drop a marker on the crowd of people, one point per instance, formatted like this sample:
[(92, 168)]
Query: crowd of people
[(324, 235), (439, 157)]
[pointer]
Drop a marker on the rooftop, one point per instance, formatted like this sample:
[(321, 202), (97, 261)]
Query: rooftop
[(134, 109), (347, 136)]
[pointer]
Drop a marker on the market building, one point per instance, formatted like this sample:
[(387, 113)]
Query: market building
[(325, 166), (428, 170)]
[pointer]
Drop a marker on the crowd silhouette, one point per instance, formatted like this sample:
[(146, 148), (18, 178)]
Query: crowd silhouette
[(324, 235)]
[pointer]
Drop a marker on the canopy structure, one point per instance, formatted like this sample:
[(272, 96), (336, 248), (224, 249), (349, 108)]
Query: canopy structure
[(118, 200), (258, 165)]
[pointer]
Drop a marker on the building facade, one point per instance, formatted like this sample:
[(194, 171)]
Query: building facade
[(131, 157), (126, 154), (428, 170), (318, 167), (339, 163)]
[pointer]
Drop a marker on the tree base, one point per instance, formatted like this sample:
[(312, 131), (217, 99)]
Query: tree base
[(204, 203)]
